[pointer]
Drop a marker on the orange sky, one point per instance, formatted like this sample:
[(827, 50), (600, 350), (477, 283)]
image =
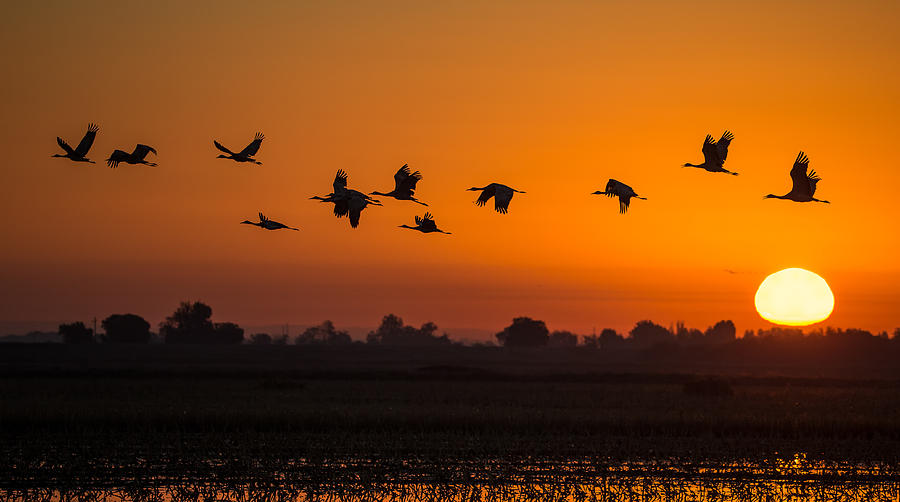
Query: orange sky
[(550, 99)]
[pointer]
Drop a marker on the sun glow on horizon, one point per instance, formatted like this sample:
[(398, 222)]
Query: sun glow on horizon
[(794, 297)]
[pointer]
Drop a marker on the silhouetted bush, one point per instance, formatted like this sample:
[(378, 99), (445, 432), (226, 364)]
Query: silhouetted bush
[(191, 323), (708, 387), (392, 331), (524, 332), (323, 334), (76, 333), (280, 340), (261, 339), (126, 328)]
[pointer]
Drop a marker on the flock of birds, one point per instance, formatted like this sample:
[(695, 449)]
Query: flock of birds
[(350, 203)]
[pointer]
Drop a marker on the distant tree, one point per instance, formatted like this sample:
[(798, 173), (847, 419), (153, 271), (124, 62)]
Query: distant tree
[(392, 331), (76, 333), (261, 339), (687, 335), (280, 340), (227, 333), (323, 334), (191, 323), (126, 328), (648, 333), (562, 339), (609, 338), (590, 341), (721, 332), (524, 332)]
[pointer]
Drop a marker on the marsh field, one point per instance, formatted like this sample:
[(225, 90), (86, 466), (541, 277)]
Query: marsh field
[(302, 423)]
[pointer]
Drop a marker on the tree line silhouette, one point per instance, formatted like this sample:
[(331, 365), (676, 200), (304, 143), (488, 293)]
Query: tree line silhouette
[(191, 323)]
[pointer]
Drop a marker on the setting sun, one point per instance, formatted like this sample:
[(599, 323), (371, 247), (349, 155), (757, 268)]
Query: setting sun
[(795, 297)]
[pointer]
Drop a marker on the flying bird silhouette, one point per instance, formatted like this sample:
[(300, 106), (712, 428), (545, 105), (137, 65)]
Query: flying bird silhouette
[(78, 154), (622, 191), (502, 195), (804, 184), (425, 224), (347, 202), (404, 185), (245, 155), (268, 224), (135, 157), (715, 153)]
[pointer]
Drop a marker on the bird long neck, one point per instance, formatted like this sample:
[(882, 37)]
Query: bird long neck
[(688, 164), (773, 196), (59, 155)]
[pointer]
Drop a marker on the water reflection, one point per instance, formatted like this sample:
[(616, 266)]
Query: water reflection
[(605, 489), (794, 479)]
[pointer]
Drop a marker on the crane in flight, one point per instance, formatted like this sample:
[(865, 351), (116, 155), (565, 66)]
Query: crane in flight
[(245, 155), (502, 195), (347, 202), (404, 185), (78, 153), (135, 157), (804, 184), (268, 224), (622, 191), (425, 224), (714, 154)]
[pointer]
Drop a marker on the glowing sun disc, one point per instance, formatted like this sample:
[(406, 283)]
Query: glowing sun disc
[(795, 297)]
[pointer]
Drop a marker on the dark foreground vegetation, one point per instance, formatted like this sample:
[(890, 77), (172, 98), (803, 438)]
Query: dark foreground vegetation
[(89, 414)]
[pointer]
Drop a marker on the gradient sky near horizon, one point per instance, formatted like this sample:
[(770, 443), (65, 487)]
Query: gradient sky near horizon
[(550, 98)]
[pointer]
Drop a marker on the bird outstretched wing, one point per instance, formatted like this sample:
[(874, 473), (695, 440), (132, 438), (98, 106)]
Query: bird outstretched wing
[(65, 146), (813, 179), (711, 152), (262, 218), (253, 147), (222, 148), (616, 188), (405, 181), (624, 202), (141, 151), (502, 196), (116, 157), (427, 222), (355, 206), (801, 182), (85, 145), (341, 207), (486, 195), (722, 145), (340, 181)]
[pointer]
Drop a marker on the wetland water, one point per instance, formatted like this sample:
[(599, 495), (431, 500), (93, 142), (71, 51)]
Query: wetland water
[(295, 424), (793, 479)]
